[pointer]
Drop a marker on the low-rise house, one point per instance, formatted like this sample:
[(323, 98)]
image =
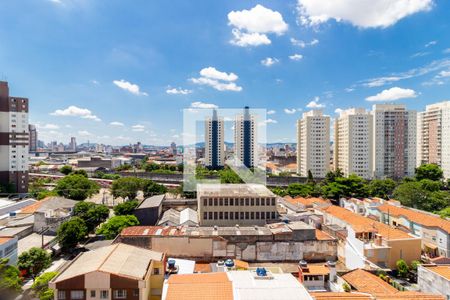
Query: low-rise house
[(118, 271), (361, 206), (366, 243), (173, 217), (434, 279), (317, 277), (49, 213), (432, 229), (149, 210), (300, 204), (8, 249)]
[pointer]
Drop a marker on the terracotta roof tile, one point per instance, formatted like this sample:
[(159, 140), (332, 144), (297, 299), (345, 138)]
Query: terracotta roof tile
[(307, 202), (339, 295), (31, 209), (323, 236), (202, 268), (214, 286), (5, 239), (317, 270), (366, 282), (442, 270)]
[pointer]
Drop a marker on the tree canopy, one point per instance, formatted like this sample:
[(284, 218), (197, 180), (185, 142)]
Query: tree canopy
[(125, 208), (126, 187), (66, 170), (114, 226), (71, 232), (34, 261), (92, 214), (151, 188), (429, 171), (381, 188), (40, 286), (76, 187), (10, 283)]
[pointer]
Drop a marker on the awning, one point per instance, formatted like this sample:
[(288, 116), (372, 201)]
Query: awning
[(430, 246)]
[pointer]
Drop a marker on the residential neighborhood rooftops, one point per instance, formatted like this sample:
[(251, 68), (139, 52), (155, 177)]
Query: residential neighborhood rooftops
[(366, 282), (233, 190), (307, 202), (442, 270)]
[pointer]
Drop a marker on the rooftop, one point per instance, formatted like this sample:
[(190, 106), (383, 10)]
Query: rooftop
[(366, 282), (307, 202), (363, 296), (233, 190), (442, 270), (154, 201), (119, 259), (416, 216), (5, 239)]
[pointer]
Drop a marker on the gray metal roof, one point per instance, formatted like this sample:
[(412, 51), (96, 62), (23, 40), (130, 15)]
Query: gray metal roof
[(153, 201), (16, 206)]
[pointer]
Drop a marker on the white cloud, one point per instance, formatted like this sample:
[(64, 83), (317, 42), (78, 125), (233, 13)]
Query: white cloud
[(393, 94), (444, 74), (243, 39), (138, 128), (267, 121), (314, 104), (296, 57), (199, 104), (303, 44), (218, 80), (250, 27), (290, 111), (118, 124), (419, 54), (178, 91), (349, 90), (360, 13), (271, 112), (380, 81), (446, 51), (74, 111), (84, 133), (95, 82), (47, 126), (338, 111), (130, 87), (432, 43), (269, 61)]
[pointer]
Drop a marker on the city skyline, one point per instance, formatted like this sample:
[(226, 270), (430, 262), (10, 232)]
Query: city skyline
[(114, 67)]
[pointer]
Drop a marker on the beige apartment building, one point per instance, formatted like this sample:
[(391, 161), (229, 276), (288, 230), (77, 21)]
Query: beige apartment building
[(394, 134), (313, 144), (433, 132), (353, 131), (231, 204), (214, 142)]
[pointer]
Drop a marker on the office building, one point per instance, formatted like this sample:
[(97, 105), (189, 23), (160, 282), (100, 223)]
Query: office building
[(433, 132), (245, 142), (394, 141), (353, 142), (14, 139), (214, 142), (231, 204), (313, 144), (33, 138), (73, 144)]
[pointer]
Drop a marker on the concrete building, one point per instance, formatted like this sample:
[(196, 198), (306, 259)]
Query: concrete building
[(8, 249), (33, 138), (278, 242), (73, 144), (214, 142), (231, 204), (313, 144), (245, 140), (394, 141), (149, 210), (173, 217), (353, 143), (98, 162), (50, 213), (433, 131), (118, 271), (434, 279), (14, 139)]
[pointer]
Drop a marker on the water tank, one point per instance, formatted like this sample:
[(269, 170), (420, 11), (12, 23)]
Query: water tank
[(229, 263), (220, 263), (261, 272), (171, 263), (12, 213)]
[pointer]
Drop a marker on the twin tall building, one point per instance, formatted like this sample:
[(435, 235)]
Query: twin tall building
[(388, 142)]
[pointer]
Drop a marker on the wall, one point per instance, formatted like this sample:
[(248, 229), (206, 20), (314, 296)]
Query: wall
[(406, 249), (430, 282)]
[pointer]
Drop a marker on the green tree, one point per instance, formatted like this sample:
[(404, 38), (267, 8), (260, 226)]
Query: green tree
[(437, 201), (429, 171), (151, 167), (332, 175), (402, 268), (80, 172), (76, 187), (34, 261), (310, 179), (279, 191), (6, 188), (66, 170), (444, 213), (10, 283), (40, 285), (151, 188), (381, 188), (125, 208), (299, 189), (430, 185), (351, 186), (92, 214), (346, 287), (411, 194), (71, 232), (415, 264), (114, 226), (126, 187), (229, 176)]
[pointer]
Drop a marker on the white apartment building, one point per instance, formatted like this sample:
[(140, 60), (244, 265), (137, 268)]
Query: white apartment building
[(433, 136), (353, 142), (214, 142), (394, 134), (313, 144), (245, 141), (14, 140)]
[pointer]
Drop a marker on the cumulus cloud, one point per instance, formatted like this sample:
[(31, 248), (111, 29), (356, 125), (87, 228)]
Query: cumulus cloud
[(138, 128), (432, 43), (314, 104), (444, 74), (47, 126), (199, 104), (393, 94), (269, 61), (267, 121), (74, 111), (296, 57), (290, 111), (218, 80), (360, 13), (130, 87), (338, 111), (251, 27), (178, 91), (271, 112), (117, 124), (303, 44)]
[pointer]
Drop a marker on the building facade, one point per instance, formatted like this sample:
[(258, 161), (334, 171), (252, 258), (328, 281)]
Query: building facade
[(353, 143), (8, 249), (245, 141), (14, 139), (313, 144), (394, 141), (214, 142), (433, 130), (231, 204), (33, 138)]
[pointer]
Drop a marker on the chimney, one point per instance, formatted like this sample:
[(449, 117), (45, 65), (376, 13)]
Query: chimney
[(378, 239), (332, 266)]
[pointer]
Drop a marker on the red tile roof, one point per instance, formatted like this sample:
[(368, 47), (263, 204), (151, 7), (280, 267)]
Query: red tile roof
[(208, 286), (366, 282)]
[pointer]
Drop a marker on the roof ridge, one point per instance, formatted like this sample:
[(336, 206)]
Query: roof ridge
[(114, 247)]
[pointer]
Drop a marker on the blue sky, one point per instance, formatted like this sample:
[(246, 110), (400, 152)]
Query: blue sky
[(122, 71)]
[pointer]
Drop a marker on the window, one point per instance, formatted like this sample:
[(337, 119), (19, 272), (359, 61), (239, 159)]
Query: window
[(215, 215), (210, 215), (61, 295), (236, 215), (257, 215), (205, 215), (136, 292), (104, 294), (120, 294), (231, 202), (221, 215), (155, 271), (92, 293), (221, 202), (226, 215), (205, 202), (247, 215), (231, 216), (76, 294), (247, 201)]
